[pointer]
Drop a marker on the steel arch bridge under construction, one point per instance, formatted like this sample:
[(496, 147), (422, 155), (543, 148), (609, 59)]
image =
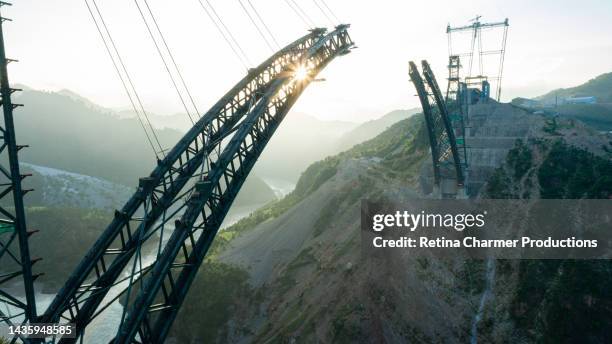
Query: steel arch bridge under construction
[(447, 150), (178, 209)]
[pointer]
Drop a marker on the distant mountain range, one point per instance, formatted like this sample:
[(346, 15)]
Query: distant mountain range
[(599, 87), (72, 134), (302, 140), (77, 147), (598, 115), (371, 129), (90, 146), (82, 137)]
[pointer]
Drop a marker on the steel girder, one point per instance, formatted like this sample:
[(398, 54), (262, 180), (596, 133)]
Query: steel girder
[(441, 135), (456, 104), (155, 307), (78, 301), (423, 95), (15, 260), (159, 195), (445, 119)]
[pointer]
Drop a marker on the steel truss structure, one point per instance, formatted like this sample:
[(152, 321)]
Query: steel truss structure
[(15, 261), (475, 29), (179, 208), (444, 148), (457, 107)]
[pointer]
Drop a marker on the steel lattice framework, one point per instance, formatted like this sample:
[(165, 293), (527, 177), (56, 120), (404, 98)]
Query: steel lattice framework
[(15, 261), (476, 50), (192, 188), (443, 143), (457, 107)]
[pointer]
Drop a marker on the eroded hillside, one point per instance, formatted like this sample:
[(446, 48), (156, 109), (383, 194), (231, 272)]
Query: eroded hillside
[(294, 270)]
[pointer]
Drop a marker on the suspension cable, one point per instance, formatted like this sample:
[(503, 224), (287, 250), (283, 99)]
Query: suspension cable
[(121, 78), (324, 13), (129, 79), (178, 92), (330, 11), (178, 70), (288, 2), (304, 13), (264, 23), (256, 26), (228, 31), (224, 35)]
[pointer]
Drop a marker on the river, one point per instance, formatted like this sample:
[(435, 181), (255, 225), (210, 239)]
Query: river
[(103, 328)]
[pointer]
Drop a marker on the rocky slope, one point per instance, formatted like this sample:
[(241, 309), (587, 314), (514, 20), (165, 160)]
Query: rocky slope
[(306, 277), (297, 274)]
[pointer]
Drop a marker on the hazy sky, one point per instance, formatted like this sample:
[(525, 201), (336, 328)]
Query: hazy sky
[(551, 44)]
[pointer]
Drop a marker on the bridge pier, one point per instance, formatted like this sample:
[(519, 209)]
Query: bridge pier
[(462, 193), (448, 188)]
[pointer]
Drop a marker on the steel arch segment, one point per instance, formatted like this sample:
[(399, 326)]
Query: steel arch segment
[(258, 127), (219, 120), (443, 113), (429, 120)]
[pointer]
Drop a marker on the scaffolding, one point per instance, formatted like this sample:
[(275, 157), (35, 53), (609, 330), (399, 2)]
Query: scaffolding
[(475, 54)]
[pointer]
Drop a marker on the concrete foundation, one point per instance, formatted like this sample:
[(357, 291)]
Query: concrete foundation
[(492, 130)]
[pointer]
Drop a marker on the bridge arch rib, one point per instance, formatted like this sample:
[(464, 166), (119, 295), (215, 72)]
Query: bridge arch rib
[(224, 144), (444, 152)]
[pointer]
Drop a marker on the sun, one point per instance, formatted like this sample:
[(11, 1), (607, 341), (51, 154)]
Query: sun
[(300, 73)]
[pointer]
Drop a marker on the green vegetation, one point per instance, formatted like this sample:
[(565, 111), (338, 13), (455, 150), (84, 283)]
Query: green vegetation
[(472, 276), (519, 159), (566, 172), (570, 172), (551, 126), (254, 191), (400, 148), (598, 116), (573, 301), (600, 87), (396, 148), (314, 176), (371, 129), (346, 326), (499, 185), (558, 301), (82, 138), (64, 236), (203, 316)]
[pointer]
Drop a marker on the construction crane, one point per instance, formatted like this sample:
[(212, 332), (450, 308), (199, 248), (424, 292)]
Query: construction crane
[(476, 48)]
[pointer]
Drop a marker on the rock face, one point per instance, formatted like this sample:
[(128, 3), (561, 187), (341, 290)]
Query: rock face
[(318, 286), (310, 281), (493, 129)]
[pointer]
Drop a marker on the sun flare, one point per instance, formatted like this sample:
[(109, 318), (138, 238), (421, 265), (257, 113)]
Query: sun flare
[(301, 73)]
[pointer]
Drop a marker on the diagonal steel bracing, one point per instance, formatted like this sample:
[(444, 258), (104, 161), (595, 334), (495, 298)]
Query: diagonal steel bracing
[(444, 151), (198, 179), (444, 117), (162, 191), (156, 305), (432, 129)]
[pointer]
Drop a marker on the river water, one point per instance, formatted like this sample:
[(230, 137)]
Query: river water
[(104, 327), (486, 295)]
